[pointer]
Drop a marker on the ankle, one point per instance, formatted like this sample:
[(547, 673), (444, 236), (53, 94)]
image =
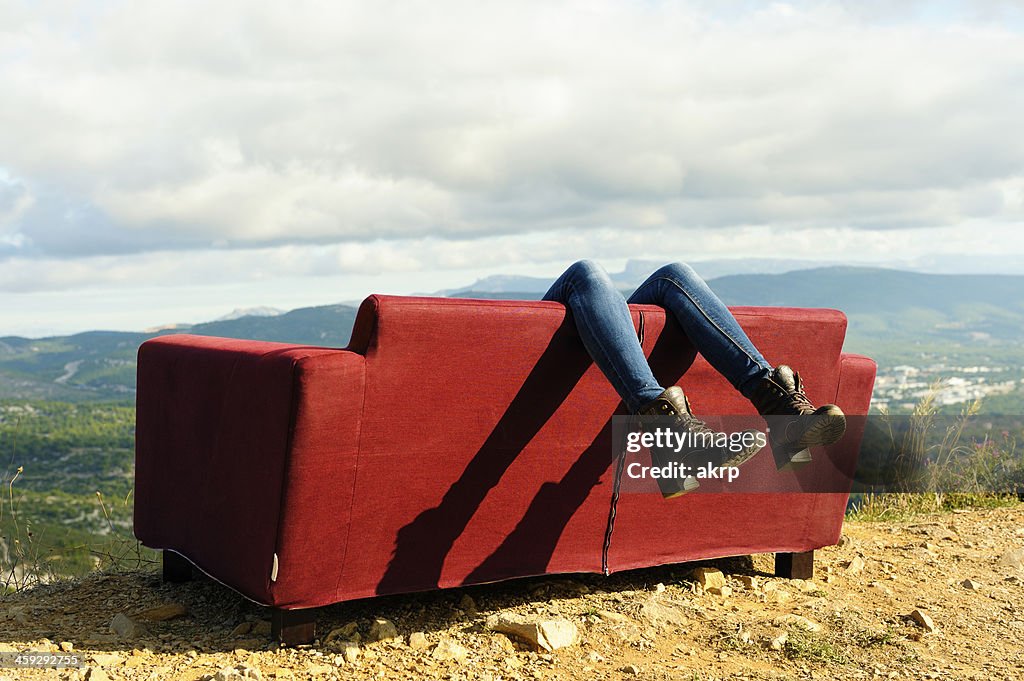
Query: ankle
[(750, 386), (639, 400)]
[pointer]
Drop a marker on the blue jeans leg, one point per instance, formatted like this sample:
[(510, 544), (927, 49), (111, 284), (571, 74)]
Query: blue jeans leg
[(606, 328), (708, 324)]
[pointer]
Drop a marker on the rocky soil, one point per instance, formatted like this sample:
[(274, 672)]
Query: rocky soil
[(935, 597)]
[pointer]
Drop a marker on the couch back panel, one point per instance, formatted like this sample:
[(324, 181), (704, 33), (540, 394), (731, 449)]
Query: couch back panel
[(485, 445), (213, 417)]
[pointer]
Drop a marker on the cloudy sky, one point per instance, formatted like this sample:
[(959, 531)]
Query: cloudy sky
[(170, 161)]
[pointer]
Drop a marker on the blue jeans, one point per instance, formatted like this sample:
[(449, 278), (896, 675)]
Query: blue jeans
[(606, 328)]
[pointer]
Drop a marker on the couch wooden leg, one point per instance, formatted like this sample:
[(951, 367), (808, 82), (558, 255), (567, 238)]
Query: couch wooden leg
[(795, 565), (176, 567), (293, 627)]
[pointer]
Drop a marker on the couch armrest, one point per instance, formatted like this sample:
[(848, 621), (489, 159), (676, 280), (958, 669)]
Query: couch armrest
[(225, 433), (853, 395), (856, 381)]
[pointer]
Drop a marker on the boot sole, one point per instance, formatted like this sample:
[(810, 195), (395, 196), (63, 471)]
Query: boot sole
[(826, 431), (689, 484), (791, 459)]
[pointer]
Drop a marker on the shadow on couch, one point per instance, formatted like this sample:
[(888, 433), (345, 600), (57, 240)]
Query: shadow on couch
[(423, 544)]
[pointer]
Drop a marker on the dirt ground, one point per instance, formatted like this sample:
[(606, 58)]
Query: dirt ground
[(961, 570)]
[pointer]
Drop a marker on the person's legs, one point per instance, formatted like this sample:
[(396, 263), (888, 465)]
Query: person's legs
[(707, 322), (606, 328), (795, 424)]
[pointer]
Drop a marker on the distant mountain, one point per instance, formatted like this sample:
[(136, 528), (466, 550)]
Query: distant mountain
[(636, 271), (893, 306), (240, 312), (500, 283), (893, 314), (633, 274), (101, 364), (327, 325), (885, 307), (872, 290)]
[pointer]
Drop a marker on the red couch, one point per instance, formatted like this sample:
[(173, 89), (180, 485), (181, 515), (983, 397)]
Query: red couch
[(453, 442)]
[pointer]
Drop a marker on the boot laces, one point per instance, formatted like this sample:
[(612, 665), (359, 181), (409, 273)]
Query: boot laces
[(799, 401), (694, 424)]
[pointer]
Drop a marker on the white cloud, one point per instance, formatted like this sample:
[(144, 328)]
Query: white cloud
[(143, 126), (165, 161)]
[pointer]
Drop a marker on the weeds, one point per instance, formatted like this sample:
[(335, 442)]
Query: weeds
[(120, 552), (802, 645), (955, 472), (733, 639), (839, 642), (21, 560), (906, 505), (21, 557), (31, 552)]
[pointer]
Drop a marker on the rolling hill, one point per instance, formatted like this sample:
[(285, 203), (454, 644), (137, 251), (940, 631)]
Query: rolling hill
[(894, 315)]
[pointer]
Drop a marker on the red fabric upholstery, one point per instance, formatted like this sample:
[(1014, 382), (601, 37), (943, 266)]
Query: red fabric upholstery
[(453, 442)]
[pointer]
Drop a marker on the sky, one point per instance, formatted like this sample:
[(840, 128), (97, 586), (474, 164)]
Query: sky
[(168, 162)]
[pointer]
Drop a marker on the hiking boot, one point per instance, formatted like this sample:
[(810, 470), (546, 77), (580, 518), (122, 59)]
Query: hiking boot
[(794, 425), (696, 452)]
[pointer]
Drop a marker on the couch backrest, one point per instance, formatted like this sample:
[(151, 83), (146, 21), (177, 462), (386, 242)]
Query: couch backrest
[(490, 414), (500, 342)]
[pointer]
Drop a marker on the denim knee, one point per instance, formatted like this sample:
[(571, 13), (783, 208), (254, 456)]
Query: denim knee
[(679, 271), (588, 271)]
